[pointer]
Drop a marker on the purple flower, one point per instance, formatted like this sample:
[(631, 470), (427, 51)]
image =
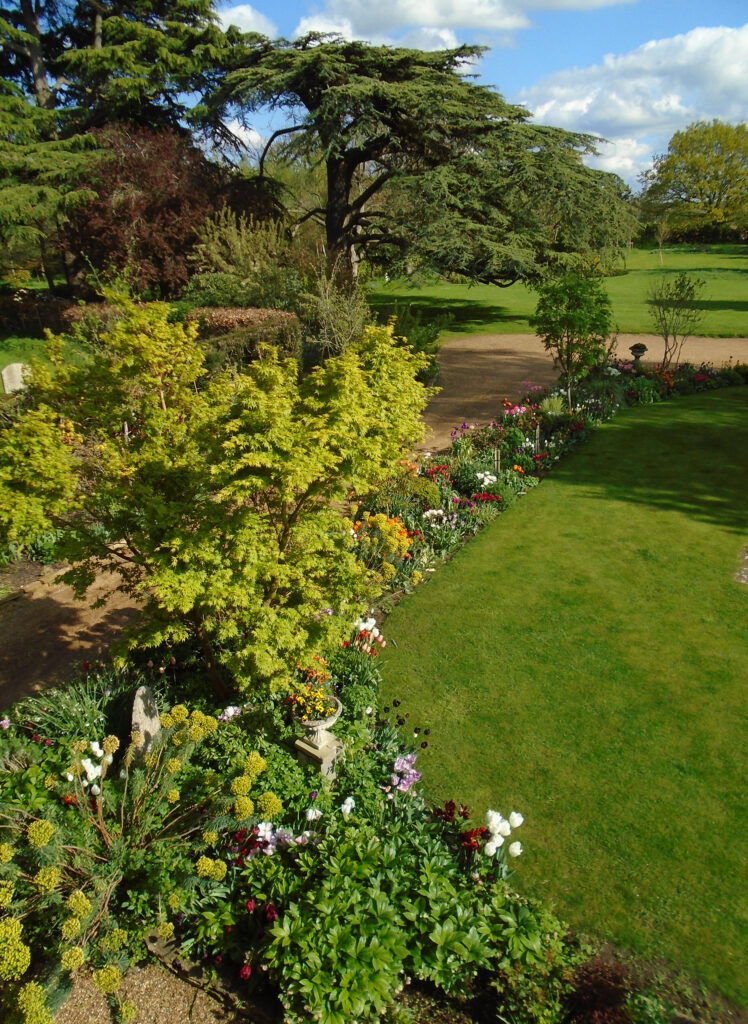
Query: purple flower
[(5, 723)]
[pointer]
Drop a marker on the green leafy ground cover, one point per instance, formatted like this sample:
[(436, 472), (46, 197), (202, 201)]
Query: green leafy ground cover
[(486, 309), (584, 657)]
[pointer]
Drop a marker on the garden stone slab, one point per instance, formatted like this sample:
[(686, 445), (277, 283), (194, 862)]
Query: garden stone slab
[(145, 720), (14, 377)]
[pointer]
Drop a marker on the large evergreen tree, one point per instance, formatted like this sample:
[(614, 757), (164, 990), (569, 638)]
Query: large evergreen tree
[(385, 122)]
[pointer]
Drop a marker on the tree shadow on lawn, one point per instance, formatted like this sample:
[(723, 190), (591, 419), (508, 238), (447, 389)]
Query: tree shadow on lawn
[(694, 462), (462, 315)]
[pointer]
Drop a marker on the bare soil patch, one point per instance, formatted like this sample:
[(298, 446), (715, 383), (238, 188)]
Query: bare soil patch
[(46, 634)]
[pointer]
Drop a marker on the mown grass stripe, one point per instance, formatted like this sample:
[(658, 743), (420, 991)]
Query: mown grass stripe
[(584, 660)]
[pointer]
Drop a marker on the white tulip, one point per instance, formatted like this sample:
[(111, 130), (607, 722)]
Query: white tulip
[(313, 814), (515, 849), (515, 819), (504, 828), (493, 819), (347, 806), (490, 848), (95, 790)]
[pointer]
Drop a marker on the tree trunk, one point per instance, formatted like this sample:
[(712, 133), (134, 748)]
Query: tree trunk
[(42, 91), (219, 687), (339, 251), (48, 271)]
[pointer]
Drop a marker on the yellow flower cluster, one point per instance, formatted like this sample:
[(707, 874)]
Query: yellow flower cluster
[(15, 955), (50, 782), (312, 703), (71, 928), (6, 853), (7, 892), (137, 739), (110, 745), (39, 833), (416, 578), (207, 868), (113, 941), (172, 901), (47, 879), (80, 746), (79, 904), (107, 980), (241, 785), (172, 796), (243, 807), (173, 765), (193, 725), (269, 806), (32, 1004), (126, 1011), (386, 533), (389, 572), (165, 930), (209, 838), (73, 958), (254, 765)]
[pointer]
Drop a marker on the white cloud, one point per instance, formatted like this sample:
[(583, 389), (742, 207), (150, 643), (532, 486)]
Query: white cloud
[(374, 21), (251, 138), (429, 39), (649, 93), (248, 20), (321, 23)]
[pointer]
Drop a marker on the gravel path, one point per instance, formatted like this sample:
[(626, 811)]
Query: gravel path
[(478, 371)]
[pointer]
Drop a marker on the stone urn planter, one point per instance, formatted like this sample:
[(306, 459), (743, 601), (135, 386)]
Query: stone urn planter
[(316, 728), (319, 746), (637, 351)]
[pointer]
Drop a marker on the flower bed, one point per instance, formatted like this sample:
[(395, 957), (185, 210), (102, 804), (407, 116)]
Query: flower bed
[(216, 841)]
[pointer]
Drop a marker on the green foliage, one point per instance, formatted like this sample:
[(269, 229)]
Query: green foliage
[(381, 896), (572, 318), (222, 492), (674, 305), (700, 186), (243, 262), (334, 313)]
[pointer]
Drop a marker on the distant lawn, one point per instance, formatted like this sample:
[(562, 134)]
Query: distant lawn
[(17, 349), (584, 661), (485, 309)]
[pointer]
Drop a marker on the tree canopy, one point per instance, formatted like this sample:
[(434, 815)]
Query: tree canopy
[(394, 126), (573, 319), (214, 498), (701, 184)]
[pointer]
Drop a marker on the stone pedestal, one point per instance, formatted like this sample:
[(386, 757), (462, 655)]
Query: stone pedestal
[(324, 751)]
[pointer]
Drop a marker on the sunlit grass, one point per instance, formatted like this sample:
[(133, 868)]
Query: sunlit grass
[(486, 309), (584, 661)]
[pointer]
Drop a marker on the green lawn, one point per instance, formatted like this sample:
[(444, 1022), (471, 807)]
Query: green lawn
[(584, 660), (17, 349), (485, 309)]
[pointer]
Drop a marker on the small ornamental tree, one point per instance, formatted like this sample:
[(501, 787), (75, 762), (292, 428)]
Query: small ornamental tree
[(153, 192), (572, 318), (211, 499), (674, 308)]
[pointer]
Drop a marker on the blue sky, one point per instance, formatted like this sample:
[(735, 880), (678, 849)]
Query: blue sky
[(632, 71)]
